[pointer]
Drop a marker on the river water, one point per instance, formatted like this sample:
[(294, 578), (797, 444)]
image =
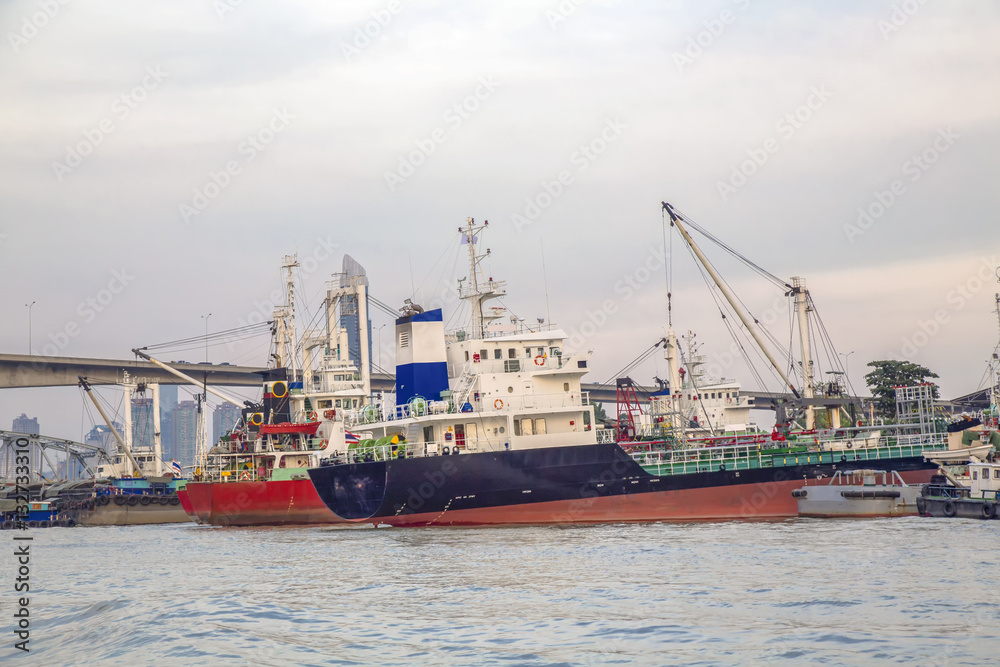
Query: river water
[(911, 590)]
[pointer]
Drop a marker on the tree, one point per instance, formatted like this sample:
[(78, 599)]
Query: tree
[(887, 375), (599, 413)]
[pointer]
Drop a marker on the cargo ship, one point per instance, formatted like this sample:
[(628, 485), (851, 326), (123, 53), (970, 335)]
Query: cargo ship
[(491, 427)]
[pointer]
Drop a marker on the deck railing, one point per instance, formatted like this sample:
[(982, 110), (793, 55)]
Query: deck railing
[(658, 460)]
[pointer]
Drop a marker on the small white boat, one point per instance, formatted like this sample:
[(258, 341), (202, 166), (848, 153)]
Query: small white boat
[(858, 493), (962, 455)]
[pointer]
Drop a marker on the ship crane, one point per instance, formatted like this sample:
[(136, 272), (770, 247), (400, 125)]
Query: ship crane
[(804, 394)]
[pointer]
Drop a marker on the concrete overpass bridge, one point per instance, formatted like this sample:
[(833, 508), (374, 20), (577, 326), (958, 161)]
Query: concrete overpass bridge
[(22, 371)]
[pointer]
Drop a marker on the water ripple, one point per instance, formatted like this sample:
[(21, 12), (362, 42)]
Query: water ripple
[(826, 592)]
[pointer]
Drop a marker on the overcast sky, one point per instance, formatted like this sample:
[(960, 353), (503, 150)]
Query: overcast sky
[(158, 159)]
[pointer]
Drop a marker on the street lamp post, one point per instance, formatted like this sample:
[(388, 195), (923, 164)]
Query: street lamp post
[(29, 305), (205, 317), (847, 359), (380, 347)]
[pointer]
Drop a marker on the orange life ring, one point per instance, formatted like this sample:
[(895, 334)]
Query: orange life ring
[(539, 360), (312, 416), (330, 414), (498, 404)]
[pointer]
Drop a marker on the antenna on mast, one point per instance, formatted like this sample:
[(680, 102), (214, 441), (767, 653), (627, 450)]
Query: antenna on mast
[(545, 283), (479, 290)]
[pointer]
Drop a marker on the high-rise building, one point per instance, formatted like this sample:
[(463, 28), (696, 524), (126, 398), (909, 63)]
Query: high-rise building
[(350, 313), (224, 418), (185, 428), (101, 436), (168, 397), (142, 423), (24, 424), (168, 401)]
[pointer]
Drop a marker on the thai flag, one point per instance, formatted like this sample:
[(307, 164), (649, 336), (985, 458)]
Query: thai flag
[(175, 467), (350, 438)]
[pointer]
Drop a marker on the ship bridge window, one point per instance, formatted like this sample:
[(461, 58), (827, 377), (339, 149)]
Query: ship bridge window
[(555, 351), (527, 353), (466, 355), (498, 353), (581, 364), (996, 474), (511, 353), (484, 354), (975, 474), (565, 386)]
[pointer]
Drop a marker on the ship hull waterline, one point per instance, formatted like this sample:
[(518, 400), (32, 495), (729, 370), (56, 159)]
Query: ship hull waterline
[(256, 503), (567, 485)]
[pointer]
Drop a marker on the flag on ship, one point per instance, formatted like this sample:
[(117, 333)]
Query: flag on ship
[(175, 466), (351, 438)]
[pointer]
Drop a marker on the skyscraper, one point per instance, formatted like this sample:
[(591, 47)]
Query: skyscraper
[(349, 312), (185, 428), (223, 419), (24, 424), (101, 436), (168, 401), (142, 423)]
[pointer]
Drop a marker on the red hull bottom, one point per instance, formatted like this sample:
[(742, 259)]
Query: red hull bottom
[(771, 500), (289, 502)]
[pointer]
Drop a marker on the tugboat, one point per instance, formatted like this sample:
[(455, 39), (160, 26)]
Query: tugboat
[(492, 427), (858, 493), (134, 489), (979, 498)]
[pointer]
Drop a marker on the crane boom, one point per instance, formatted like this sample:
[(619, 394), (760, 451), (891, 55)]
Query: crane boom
[(747, 322), (187, 378)]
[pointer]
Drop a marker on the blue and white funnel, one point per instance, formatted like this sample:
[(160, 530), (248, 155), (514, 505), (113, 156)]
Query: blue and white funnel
[(421, 357)]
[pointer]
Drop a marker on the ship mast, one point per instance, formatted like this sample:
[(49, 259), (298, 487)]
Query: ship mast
[(802, 309), (478, 291), (675, 220), (288, 263)]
